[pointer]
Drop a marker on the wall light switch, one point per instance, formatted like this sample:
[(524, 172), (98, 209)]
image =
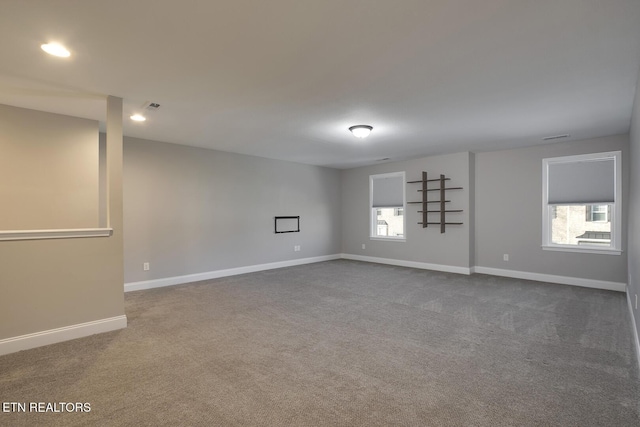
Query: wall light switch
[(363, 246)]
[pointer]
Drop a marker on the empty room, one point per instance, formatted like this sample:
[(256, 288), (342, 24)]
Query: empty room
[(310, 213)]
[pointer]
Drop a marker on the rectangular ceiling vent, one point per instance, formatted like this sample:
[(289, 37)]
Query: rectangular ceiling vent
[(549, 138), (150, 106)]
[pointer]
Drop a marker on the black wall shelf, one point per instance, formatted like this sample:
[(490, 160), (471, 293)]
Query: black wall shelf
[(425, 190)]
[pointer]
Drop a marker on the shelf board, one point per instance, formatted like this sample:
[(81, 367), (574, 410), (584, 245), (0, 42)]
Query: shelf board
[(434, 201), (429, 180), (438, 189)]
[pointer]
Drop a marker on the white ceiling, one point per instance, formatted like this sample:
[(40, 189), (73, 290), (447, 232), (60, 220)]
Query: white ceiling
[(285, 79)]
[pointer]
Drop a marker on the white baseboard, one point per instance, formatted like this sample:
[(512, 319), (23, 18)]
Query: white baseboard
[(52, 336), (179, 280), (634, 328), (412, 264), (563, 280)]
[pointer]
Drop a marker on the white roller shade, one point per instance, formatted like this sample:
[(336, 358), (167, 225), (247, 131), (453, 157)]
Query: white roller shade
[(582, 182), (387, 192)]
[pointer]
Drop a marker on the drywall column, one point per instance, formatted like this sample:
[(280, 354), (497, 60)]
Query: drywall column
[(114, 178)]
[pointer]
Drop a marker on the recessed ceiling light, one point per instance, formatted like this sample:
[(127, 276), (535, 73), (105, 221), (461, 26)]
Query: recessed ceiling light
[(138, 118), (56, 49), (361, 131)]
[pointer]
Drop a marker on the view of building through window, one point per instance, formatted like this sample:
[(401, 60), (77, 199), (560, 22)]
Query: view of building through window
[(581, 225), (390, 222)]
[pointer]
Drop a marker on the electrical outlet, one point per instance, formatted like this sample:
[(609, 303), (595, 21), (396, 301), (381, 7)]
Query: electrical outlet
[(363, 246), (145, 266), (505, 257), (296, 248)]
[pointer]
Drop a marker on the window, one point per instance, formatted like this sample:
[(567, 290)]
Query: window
[(582, 203), (387, 200), (598, 213)]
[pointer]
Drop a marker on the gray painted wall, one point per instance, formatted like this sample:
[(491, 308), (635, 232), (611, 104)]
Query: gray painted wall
[(422, 245), (49, 284), (191, 210), (508, 212), (48, 170), (634, 209)]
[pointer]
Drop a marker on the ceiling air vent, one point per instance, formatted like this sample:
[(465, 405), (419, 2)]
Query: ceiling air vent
[(150, 106), (549, 138)]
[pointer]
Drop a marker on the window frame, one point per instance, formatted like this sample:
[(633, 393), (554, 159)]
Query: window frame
[(614, 216), (373, 218), (593, 212)]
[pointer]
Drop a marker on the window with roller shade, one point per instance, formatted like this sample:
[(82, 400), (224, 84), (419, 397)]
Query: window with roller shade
[(582, 203), (386, 208)]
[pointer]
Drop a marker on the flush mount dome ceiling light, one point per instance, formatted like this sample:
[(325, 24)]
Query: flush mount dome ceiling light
[(56, 49), (361, 131), (138, 118)]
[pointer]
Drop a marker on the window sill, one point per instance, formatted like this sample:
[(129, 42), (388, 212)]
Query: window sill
[(388, 239), (603, 251), (54, 234)]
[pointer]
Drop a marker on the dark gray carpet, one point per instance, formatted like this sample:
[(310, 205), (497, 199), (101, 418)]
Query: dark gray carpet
[(344, 343)]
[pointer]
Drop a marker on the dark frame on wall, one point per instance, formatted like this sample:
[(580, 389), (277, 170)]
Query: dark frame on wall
[(286, 224)]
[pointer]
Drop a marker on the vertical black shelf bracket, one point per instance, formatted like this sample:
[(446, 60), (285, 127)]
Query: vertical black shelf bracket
[(425, 220), (442, 207)]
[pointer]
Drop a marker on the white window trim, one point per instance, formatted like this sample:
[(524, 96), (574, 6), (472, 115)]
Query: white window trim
[(373, 220), (616, 207)]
